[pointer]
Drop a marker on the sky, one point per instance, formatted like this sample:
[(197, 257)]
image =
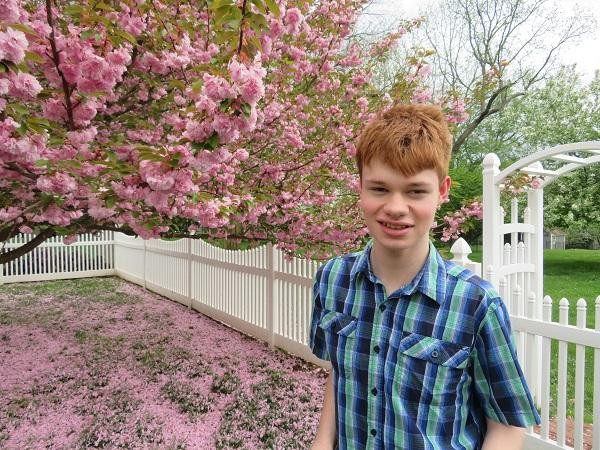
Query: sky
[(585, 53)]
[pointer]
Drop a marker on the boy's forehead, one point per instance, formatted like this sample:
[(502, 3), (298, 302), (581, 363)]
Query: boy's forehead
[(379, 172)]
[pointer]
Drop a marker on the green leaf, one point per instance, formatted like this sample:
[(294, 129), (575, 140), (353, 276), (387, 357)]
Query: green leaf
[(216, 4), (73, 10), (213, 141), (111, 200), (246, 109), (260, 6), (257, 21), (273, 6), (24, 28), (103, 6), (33, 57), (197, 86), (209, 144), (227, 14), (225, 104), (125, 35), (178, 84), (174, 162)]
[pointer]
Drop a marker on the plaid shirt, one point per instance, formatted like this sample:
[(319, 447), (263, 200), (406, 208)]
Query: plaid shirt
[(423, 367)]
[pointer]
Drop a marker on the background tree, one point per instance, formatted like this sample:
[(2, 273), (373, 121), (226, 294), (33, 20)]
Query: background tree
[(560, 110), (490, 53)]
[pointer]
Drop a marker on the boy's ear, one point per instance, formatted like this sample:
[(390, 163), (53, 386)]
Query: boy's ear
[(445, 189)]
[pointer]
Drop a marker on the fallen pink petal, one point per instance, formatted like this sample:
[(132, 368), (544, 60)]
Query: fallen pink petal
[(102, 363)]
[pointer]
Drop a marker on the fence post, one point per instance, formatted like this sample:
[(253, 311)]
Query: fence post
[(189, 272), (460, 254), (144, 262), (270, 291), (491, 217)]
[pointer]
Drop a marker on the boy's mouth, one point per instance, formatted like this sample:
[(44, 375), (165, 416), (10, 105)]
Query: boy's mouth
[(395, 226)]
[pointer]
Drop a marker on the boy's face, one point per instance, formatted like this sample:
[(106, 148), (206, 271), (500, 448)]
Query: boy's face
[(399, 210)]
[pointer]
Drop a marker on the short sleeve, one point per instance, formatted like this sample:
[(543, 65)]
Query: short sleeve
[(500, 385), (317, 336)]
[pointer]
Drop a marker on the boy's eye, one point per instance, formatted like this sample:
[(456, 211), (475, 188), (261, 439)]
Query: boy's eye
[(418, 192), (378, 189)]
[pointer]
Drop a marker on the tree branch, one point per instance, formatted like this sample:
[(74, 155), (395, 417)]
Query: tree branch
[(26, 248)]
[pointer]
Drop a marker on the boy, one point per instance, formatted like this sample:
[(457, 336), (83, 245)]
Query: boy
[(421, 349)]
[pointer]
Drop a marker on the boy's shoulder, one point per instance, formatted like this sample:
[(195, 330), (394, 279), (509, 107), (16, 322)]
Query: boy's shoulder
[(341, 265), (470, 280)]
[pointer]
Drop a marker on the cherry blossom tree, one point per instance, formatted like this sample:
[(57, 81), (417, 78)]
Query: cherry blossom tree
[(163, 118)]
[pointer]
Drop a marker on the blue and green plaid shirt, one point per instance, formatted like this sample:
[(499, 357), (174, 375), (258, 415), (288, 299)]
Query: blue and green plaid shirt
[(421, 368)]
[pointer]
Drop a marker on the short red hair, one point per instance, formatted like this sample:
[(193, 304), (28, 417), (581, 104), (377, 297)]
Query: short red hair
[(409, 138)]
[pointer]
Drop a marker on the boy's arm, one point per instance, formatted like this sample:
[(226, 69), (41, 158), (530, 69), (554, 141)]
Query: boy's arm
[(326, 432), (502, 437)]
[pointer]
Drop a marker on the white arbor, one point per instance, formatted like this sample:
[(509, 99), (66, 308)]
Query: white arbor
[(516, 267)]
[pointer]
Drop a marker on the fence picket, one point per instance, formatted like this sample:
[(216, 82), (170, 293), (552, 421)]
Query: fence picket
[(579, 376), (561, 425), (596, 395)]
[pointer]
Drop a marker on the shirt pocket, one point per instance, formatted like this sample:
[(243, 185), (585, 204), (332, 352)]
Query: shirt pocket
[(339, 330), (338, 323), (430, 372)]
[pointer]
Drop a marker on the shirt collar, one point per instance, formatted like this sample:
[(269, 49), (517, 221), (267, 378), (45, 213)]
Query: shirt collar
[(430, 281)]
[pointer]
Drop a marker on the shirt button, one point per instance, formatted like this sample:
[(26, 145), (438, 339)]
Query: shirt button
[(373, 432), (374, 391), (376, 349), (434, 354), (382, 308)]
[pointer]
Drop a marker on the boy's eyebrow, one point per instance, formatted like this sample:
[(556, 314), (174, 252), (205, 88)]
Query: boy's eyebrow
[(419, 184), (412, 185)]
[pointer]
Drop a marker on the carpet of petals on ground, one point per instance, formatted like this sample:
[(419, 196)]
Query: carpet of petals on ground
[(101, 363)]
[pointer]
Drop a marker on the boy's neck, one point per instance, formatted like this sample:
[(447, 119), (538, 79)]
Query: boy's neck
[(396, 269)]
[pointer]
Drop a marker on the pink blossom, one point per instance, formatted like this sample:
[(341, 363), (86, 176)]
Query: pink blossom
[(9, 213), (54, 109), (23, 86), (536, 183), (84, 112), (293, 19), (133, 25), (9, 11), (421, 96), (457, 113), (25, 229), (59, 183), (70, 239), (82, 136), (13, 44)]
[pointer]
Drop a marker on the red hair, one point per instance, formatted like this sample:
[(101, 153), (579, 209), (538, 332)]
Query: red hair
[(408, 138)]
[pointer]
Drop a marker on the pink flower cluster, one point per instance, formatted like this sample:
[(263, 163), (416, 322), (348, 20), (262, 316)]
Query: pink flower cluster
[(454, 224), (13, 44), (457, 112)]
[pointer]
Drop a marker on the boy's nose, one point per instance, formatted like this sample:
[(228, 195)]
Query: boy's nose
[(396, 206)]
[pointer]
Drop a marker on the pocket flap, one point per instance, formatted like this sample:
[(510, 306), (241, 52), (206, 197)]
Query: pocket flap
[(435, 350), (338, 323)]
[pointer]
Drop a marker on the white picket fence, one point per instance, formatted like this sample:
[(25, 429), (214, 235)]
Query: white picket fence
[(258, 292), (263, 294), (91, 256)]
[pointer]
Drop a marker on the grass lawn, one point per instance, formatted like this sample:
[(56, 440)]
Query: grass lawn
[(101, 363)]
